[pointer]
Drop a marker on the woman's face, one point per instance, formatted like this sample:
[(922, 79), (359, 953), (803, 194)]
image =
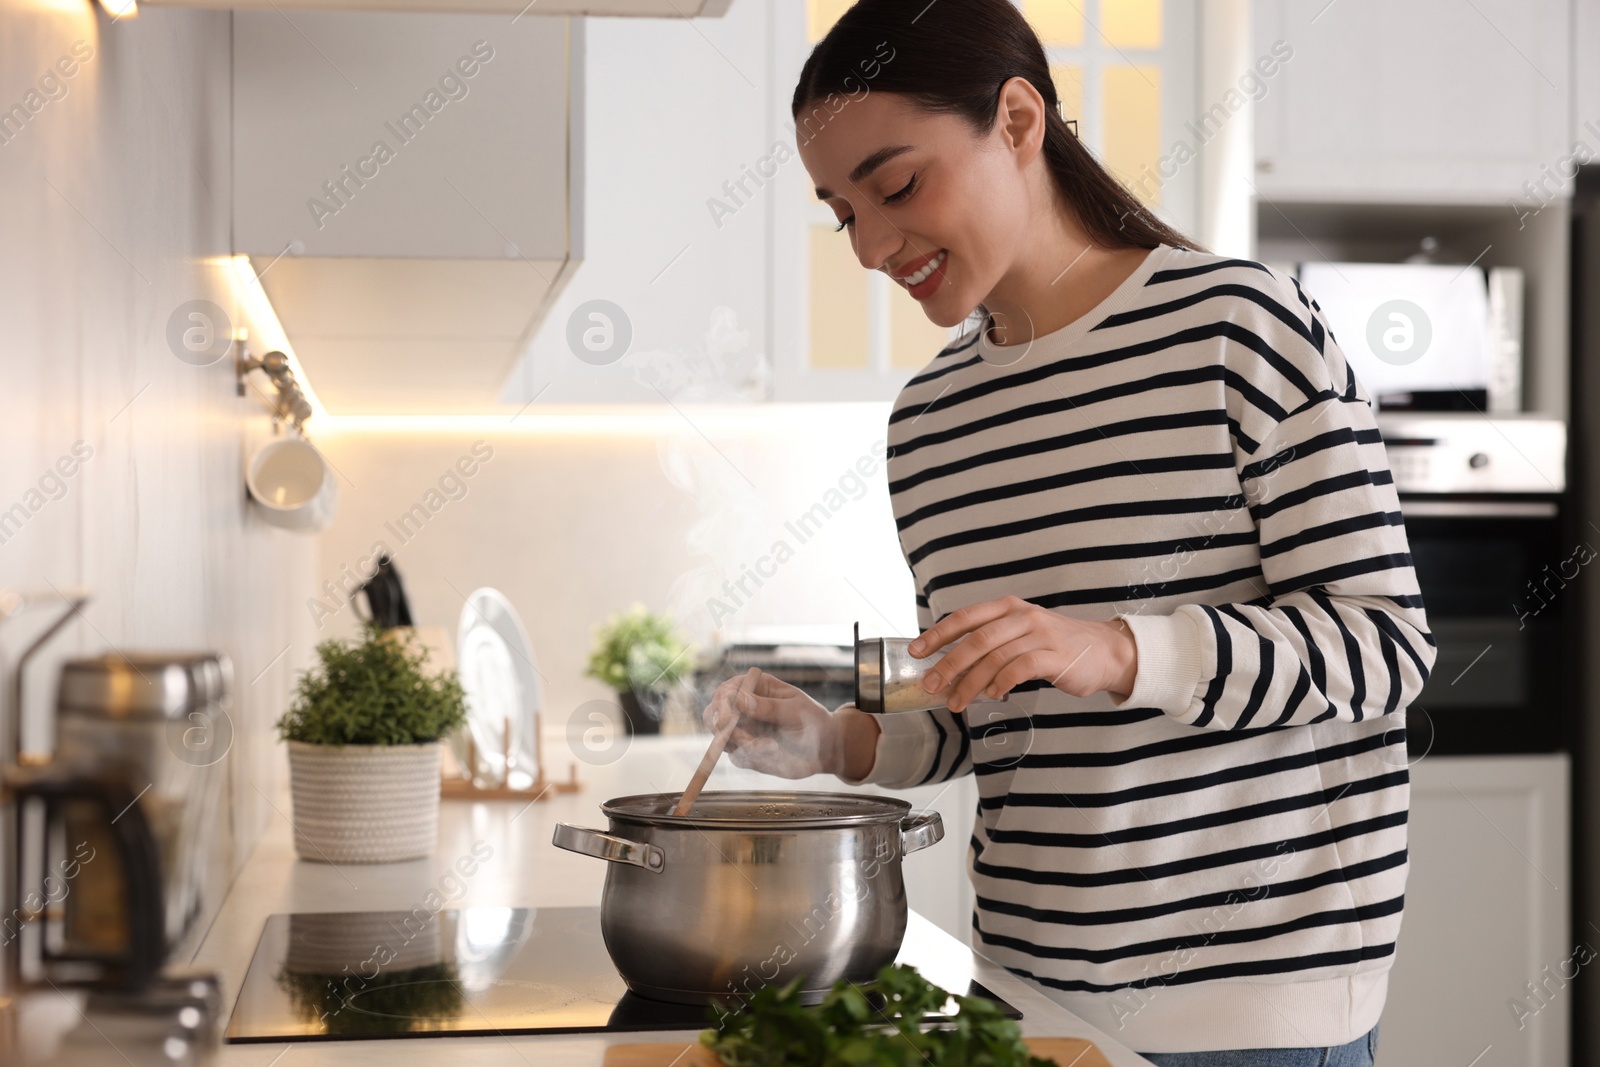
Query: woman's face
[(921, 192)]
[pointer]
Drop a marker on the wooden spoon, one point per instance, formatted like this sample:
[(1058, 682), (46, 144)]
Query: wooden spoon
[(714, 752)]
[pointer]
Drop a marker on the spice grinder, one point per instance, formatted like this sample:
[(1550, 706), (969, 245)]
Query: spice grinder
[(888, 678)]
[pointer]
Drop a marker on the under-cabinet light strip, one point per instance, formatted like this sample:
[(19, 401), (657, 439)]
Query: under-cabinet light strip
[(549, 420), (804, 420), (267, 333)]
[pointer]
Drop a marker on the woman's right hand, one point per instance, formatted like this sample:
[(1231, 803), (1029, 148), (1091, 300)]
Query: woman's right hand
[(784, 732)]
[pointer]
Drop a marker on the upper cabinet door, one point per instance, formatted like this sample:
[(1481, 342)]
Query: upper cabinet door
[(1455, 100), (408, 188), (401, 135)]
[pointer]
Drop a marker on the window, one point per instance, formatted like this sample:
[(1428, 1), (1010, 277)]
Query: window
[(1107, 60), (858, 319), (821, 15)]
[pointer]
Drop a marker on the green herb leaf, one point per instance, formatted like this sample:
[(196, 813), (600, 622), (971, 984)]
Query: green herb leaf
[(638, 650), (373, 691), (878, 1024)]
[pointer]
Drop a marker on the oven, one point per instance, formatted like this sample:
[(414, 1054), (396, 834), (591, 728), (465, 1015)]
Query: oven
[(1497, 561)]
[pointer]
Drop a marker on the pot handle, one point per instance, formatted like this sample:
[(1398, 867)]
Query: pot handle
[(919, 830), (609, 847)]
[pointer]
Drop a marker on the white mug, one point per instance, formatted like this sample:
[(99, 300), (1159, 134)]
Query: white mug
[(293, 485)]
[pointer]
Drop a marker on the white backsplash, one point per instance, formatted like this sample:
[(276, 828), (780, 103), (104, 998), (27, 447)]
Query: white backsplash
[(701, 514)]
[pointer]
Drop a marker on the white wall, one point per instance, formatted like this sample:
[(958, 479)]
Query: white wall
[(116, 197), (663, 510)]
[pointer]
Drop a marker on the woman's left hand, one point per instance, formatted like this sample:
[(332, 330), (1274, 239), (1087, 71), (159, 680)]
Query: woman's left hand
[(1009, 641)]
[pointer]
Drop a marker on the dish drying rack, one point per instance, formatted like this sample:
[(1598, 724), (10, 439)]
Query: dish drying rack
[(464, 787)]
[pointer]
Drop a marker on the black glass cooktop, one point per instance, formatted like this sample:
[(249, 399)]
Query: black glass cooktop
[(478, 971)]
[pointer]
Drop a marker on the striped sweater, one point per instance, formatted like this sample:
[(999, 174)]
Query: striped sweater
[(1219, 859)]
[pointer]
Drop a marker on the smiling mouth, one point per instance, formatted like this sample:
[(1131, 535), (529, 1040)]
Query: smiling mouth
[(917, 277)]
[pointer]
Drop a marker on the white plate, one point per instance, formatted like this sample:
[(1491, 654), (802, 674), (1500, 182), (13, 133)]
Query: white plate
[(497, 671)]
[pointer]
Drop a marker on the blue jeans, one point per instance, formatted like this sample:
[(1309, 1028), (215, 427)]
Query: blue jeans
[(1358, 1053)]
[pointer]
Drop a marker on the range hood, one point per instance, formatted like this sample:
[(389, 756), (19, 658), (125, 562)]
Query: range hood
[(408, 188), (635, 8)]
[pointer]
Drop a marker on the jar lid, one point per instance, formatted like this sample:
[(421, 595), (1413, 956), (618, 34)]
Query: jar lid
[(145, 685)]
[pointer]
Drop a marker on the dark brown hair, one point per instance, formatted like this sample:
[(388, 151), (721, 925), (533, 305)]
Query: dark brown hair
[(953, 56)]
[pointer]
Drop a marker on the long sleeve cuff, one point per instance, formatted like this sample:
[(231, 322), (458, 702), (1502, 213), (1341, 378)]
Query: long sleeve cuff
[(1171, 663), (905, 750)]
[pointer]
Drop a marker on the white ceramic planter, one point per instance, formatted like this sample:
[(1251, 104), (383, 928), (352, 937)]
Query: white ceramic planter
[(364, 803)]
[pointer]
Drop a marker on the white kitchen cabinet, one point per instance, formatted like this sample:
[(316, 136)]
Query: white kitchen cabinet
[(1486, 912), (408, 188), (1425, 100), (675, 114)]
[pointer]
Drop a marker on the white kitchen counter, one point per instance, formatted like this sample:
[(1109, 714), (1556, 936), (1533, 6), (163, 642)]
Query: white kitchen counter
[(527, 870)]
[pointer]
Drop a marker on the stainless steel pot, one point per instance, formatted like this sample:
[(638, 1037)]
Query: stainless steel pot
[(752, 889)]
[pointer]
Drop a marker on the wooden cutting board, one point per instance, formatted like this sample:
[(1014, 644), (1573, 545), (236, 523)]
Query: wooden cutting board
[(1066, 1051)]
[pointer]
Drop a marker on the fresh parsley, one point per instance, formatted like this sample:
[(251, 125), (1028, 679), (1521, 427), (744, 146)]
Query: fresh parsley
[(878, 1024)]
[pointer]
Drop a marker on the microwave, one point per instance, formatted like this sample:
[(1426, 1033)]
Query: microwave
[(1426, 336)]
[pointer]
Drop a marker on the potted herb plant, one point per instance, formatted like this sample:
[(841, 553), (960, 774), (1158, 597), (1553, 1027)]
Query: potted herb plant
[(640, 655), (364, 733)]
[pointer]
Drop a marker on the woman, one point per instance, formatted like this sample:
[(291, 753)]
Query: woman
[(1146, 497)]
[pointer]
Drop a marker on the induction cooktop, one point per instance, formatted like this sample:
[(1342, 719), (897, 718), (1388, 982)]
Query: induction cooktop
[(478, 971)]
